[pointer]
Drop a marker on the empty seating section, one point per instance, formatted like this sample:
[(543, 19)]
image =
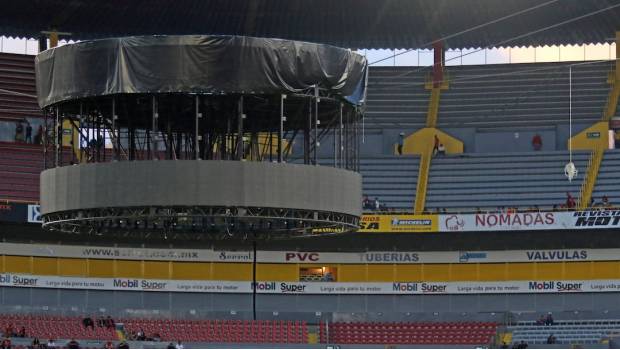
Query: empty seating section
[(523, 95), (20, 166), (221, 331), (502, 95), (565, 332), (489, 181), (396, 98), (392, 179), (607, 183), (445, 333), (17, 74), (226, 331)]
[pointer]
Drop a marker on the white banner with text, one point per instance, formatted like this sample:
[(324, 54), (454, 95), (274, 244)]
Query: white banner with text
[(274, 287), (295, 257)]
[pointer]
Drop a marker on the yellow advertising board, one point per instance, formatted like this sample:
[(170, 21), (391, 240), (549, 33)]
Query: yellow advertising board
[(382, 223), (398, 223)]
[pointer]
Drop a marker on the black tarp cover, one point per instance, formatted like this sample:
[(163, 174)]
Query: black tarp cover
[(196, 64)]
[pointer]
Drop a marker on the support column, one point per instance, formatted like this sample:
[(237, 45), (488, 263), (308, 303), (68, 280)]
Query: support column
[(198, 115), (240, 117), (155, 116), (280, 130)]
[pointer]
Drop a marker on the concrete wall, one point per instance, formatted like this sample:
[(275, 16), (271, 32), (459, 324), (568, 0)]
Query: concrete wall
[(307, 307)]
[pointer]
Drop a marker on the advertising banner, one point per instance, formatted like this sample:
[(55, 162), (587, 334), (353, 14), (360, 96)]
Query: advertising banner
[(275, 287), (398, 223), (13, 212), (595, 219), (296, 257)]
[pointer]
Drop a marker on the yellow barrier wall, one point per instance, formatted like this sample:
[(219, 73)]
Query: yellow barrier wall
[(595, 136), (290, 272)]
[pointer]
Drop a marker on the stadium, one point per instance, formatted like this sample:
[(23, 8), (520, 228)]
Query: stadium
[(310, 174)]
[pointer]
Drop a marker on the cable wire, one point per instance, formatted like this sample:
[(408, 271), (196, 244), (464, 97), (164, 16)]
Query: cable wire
[(471, 29)]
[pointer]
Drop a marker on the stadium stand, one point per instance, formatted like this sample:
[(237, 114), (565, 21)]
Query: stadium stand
[(565, 331), (494, 180), (20, 166), (17, 74), (409, 333), (221, 331), (607, 182), (396, 98), (392, 179), (479, 96)]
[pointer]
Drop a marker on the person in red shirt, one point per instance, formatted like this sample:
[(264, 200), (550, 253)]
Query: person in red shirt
[(537, 142), (570, 201)]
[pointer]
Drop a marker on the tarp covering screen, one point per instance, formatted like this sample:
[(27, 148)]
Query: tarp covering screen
[(196, 64)]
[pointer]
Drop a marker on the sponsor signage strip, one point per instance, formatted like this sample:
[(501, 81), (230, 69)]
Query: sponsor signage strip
[(284, 257), (577, 220), (273, 287)]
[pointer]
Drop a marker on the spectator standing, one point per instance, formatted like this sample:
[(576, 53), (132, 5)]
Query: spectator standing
[(19, 132), (551, 339), (537, 142), (377, 205), (51, 344), (549, 320), (88, 322), (109, 322), (570, 201), (28, 132), (38, 137), (101, 321), (401, 142)]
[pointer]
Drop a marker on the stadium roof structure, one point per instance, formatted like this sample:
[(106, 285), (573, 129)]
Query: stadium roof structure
[(346, 23)]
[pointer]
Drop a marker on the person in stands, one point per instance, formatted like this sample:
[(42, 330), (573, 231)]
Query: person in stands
[(537, 142), (51, 344), (570, 201), (109, 322), (28, 132), (377, 204), (179, 345), (436, 146), (441, 149), (22, 332), (401, 142), (19, 132), (101, 321), (6, 344), (88, 322), (551, 339), (549, 320), (73, 344), (123, 345), (170, 346), (36, 344), (38, 137), (366, 203), (109, 345), (605, 202)]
